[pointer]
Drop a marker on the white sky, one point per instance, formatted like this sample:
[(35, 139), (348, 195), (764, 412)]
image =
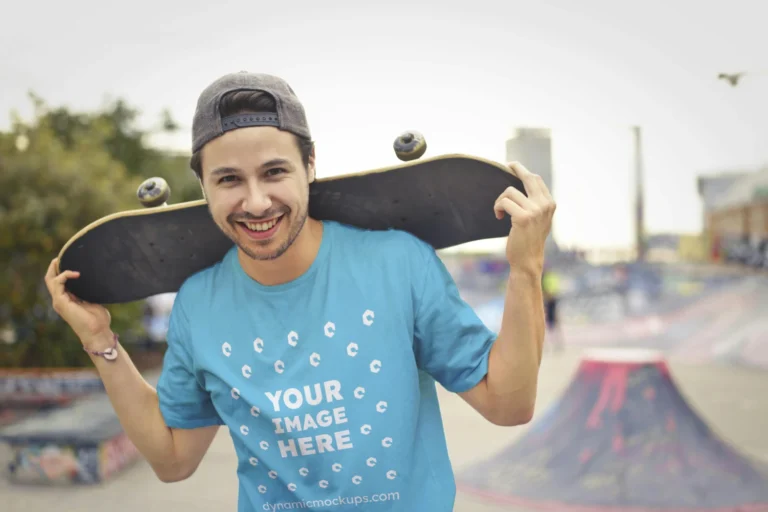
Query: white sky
[(463, 73)]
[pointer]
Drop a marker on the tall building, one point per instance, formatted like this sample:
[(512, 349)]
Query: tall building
[(532, 147)]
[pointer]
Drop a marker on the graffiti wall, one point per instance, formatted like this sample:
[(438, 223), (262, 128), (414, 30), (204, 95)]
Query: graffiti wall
[(82, 443), (85, 463), (34, 386)]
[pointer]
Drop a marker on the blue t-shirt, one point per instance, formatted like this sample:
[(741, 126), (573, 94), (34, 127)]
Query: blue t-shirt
[(327, 383)]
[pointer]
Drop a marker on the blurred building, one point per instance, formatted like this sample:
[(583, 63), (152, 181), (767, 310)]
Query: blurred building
[(532, 147), (713, 188), (736, 216)]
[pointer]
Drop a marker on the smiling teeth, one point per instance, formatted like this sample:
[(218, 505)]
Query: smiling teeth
[(261, 226)]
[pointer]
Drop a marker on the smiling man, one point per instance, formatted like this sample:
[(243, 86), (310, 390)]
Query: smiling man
[(318, 345)]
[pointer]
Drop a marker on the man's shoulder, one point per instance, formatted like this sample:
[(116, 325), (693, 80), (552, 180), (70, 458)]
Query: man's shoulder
[(199, 283), (381, 241)]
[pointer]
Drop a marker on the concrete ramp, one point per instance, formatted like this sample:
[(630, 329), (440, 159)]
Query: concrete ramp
[(621, 437)]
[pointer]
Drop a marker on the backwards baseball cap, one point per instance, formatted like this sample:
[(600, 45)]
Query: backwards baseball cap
[(208, 123)]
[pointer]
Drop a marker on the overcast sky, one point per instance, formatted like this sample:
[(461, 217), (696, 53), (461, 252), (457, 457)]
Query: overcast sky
[(463, 73)]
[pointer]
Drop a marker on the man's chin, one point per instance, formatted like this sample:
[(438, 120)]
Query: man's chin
[(262, 251), (268, 249)]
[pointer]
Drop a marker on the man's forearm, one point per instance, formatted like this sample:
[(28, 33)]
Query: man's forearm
[(137, 407), (516, 355)]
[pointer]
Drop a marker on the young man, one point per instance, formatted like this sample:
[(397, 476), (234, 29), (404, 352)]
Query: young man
[(318, 345)]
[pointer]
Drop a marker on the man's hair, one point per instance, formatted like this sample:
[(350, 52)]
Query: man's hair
[(242, 102)]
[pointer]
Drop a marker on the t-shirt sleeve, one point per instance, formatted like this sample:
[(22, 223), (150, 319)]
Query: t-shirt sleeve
[(452, 342), (184, 403)]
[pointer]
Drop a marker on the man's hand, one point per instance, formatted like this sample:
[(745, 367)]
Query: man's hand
[(507, 395), (531, 219), (90, 322)]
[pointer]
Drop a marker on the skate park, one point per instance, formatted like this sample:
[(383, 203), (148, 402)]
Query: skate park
[(644, 418), (651, 401)]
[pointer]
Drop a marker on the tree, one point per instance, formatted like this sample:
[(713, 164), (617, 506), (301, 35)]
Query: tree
[(58, 173)]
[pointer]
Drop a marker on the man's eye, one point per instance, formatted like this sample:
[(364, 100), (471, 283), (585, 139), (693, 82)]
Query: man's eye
[(227, 179), (275, 171)]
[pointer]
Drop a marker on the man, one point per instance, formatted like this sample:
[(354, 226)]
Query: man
[(550, 285), (318, 344)]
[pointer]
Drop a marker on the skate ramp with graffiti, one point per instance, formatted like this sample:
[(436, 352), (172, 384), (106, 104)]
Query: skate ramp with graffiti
[(81, 443), (728, 325), (620, 437), (691, 313), (601, 294)]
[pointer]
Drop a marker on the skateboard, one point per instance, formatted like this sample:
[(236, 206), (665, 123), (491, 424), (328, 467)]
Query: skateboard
[(445, 200)]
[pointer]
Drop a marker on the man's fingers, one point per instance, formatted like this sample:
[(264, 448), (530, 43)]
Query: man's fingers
[(65, 276), (533, 183), (51, 275), (520, 207), (51, 272), (539, 197), (506, 205), (526, 176), (516, 196), (56, 283), (73, 298), (50, 279)]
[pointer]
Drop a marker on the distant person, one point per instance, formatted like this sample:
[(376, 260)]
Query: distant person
[(550, 284), (318, 344)]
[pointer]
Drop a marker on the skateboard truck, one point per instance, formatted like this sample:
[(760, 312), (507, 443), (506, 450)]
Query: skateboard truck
[(154, 192), (410, 145)]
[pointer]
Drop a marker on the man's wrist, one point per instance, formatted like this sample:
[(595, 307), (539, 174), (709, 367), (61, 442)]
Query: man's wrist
[(100, 342), (518, 273)]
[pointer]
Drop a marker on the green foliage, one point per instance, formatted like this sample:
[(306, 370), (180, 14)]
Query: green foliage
[(58, 173)]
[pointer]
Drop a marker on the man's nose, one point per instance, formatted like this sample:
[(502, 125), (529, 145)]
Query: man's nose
[(257, 201)]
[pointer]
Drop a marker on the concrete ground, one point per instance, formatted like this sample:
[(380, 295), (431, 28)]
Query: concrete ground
[(731, 399)]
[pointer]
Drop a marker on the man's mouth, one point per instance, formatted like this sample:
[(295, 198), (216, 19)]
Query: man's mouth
[(261, 230)]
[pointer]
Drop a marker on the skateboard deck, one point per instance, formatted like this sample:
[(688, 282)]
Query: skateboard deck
[(444, 200)]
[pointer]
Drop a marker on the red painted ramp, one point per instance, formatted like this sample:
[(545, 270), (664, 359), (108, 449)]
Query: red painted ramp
[(621, 437)]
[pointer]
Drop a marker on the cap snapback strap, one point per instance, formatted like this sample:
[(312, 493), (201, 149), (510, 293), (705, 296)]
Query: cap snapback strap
[(249, 119)]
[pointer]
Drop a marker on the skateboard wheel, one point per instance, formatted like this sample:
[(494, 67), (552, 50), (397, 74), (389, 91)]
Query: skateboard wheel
[(410, 145), (153, 192)]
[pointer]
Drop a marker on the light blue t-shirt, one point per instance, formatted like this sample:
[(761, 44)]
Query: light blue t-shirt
[(327, 383)]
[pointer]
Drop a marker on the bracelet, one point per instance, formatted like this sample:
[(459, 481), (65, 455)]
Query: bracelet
[(110, 354)]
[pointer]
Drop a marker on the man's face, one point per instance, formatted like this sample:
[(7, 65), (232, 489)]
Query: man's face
[(257, 189)]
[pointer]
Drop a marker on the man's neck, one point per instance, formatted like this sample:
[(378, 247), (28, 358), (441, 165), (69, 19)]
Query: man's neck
[(292, 264)]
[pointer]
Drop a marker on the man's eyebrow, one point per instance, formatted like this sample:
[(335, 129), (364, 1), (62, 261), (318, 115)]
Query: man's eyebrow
[(223, 170), (276, 161), (232, 170)]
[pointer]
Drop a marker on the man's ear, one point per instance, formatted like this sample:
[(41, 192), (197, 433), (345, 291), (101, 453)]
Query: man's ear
[(202, 189), (311, 166)]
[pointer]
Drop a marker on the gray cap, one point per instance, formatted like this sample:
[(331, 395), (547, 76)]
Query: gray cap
[(208, 123)]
